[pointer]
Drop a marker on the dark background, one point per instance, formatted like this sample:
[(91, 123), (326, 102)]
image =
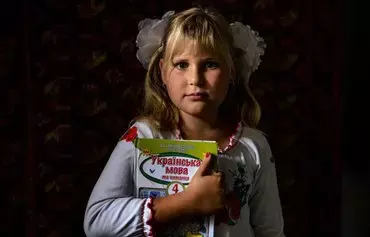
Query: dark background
[(70, 83)]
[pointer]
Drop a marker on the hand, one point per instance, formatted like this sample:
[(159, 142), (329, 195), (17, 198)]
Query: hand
[(206, 189)]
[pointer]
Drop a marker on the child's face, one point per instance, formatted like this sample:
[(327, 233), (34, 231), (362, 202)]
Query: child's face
[(196, 81)]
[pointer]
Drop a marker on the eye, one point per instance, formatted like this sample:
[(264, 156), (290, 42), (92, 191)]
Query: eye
[(211, 65), (181, 65)]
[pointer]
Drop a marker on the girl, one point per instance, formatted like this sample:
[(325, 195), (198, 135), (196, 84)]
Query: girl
[(196, 88)]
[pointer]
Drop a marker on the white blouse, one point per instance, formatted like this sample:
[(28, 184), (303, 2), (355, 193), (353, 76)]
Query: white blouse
[(252, 206)]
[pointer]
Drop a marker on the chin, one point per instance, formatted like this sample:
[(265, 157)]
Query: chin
[(196, 110)]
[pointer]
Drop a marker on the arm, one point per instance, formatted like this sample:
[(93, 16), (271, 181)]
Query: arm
[(266, 213), (112, 209)]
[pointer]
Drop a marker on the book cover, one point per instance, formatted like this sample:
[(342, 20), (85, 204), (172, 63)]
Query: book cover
[(165, 167)]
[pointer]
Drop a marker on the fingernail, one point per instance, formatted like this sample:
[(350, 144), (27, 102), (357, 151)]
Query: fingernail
[(207, 155)]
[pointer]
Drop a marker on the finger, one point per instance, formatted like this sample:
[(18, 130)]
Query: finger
[(206, 165), (219, 174), (221, 178)]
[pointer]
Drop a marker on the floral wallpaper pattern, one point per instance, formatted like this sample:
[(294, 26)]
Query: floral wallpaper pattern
[(73, 99)]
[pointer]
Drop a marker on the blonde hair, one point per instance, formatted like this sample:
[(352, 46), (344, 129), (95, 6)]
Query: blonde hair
[(210, 31)]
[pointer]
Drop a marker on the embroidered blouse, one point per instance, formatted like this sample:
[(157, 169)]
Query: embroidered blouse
[(252, 204)]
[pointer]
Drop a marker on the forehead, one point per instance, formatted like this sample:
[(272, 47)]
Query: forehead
[(190, 48)]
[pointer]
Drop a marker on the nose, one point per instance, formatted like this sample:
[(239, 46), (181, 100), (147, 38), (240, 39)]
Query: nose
[(196, 77)]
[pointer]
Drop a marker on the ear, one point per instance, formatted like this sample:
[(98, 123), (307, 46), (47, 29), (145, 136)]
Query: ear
[(162, 68)]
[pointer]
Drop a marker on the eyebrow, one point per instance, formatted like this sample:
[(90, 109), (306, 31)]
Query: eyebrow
[(202, 59)]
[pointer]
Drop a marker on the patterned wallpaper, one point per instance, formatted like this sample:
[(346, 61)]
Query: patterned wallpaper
[(82, 85)]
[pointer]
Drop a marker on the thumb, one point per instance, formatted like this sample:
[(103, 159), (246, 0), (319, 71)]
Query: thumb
[(207, 165)]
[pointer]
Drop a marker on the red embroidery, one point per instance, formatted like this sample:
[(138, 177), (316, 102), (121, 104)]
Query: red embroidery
[(150, 222), (231, 214), (130, 135), (233, 206)]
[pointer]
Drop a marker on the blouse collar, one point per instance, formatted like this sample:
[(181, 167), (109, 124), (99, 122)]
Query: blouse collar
[(233, 139)]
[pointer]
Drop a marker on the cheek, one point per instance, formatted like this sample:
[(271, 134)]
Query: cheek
[(175, 85), (219, 81)]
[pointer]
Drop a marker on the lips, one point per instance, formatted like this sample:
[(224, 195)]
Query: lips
[(197, 96)]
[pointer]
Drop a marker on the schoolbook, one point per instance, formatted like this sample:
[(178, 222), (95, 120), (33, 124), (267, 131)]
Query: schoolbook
[(166, 167)]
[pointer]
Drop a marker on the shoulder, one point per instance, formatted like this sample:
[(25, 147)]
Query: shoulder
[(144, 129), (256, 142), (251, 135), (138, 129)]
